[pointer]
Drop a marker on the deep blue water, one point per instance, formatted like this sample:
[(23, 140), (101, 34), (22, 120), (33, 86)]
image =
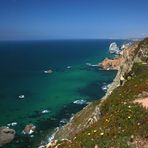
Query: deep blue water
[(22, 66)]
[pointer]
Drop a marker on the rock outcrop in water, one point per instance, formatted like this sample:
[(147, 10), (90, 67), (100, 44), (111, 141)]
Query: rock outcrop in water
[(113, 48), (126, 45), (111, 64), (29, 129), (114, 121), (6, 135), (48, 71)]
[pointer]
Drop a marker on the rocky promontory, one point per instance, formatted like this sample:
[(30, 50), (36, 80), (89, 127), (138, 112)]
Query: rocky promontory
[(111, 64)]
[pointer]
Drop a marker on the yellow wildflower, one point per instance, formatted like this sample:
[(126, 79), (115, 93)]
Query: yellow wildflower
[(102, 134)]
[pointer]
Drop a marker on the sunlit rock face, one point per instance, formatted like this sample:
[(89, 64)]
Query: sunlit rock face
[(126, 45), (108, 64), (113, 48)]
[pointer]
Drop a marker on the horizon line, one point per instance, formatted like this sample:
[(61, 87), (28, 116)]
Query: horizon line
[(11, 40)]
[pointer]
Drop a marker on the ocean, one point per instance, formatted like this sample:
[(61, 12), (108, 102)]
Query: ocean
[(22, 66)]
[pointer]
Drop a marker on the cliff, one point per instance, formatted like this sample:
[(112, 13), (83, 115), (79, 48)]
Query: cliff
[(113, 64), (116, 120)]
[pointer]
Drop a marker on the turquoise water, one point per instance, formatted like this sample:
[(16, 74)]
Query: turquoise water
[(22, 72)]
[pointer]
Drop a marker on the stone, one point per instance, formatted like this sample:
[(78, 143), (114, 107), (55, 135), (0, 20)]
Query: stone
[(6, 135), (51, 144), (96, 146), (29, 129), (48, 71), (113, 48), (108, 64)]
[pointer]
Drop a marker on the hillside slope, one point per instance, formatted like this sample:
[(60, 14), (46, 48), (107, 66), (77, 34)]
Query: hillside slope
[(117, 120)]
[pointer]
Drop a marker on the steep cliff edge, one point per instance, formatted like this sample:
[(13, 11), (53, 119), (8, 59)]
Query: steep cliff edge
[(115, 120)]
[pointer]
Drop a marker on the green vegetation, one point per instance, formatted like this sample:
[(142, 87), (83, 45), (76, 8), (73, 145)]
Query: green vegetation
[(121, 117), (123, 122), (144, 46)]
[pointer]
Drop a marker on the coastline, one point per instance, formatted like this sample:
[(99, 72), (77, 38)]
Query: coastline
[(92, 112), (88, 89), (125, 67)]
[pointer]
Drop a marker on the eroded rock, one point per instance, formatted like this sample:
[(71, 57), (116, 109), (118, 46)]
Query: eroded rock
[(6, 135), (29, 129), (111, 63)]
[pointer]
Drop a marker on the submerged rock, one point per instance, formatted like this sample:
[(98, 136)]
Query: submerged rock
[(6, 135)]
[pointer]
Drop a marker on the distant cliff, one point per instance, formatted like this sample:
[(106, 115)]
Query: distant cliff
[(115, 120)]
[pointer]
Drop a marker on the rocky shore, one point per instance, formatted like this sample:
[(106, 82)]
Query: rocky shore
[(94, 119), (92, 112), (117, 119), (111, 64)]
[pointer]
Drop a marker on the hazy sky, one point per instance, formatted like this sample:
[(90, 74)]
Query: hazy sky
[(66, 19)]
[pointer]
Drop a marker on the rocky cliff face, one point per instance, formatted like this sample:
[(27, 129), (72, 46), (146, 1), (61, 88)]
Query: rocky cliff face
[(113, 48), (138, 52), (142, 51), (113, 64), (81, 120), (128, 58)]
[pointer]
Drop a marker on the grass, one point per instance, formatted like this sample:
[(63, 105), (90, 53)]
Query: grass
[(122, 121), (121, 118)]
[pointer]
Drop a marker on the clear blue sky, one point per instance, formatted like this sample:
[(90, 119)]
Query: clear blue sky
[(66, 19)]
